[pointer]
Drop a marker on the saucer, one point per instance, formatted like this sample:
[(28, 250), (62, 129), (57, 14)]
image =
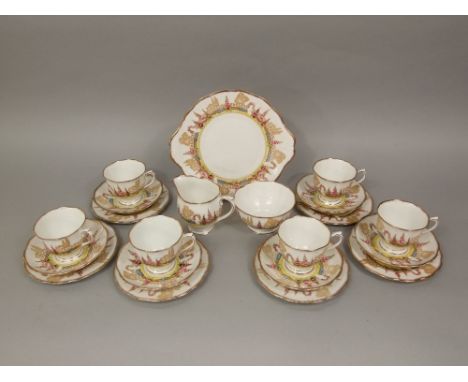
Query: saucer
[(270, 260), (98, 264), (306, 296), (147, 197), (159, 205), (419, 254), (149, 294), (128, 267), (361, 212), (39, 260), (343, 205), (409, 275)]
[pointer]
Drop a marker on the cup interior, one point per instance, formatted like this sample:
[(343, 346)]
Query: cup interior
[(196, 190), (404, 215), (264, 199), (155, 233), (59, 223), (124, 170), (335, 170), (304, 233)]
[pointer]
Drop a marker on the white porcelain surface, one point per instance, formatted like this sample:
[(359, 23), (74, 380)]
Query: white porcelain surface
[(99, 263), (146, 199), (400, 223), (409, 275), (44, 260), (272, 263), (111, 217), (264, 205), (126, 178), (158, 241), (309, 194), (334, 176), (264, 199), (233, 138), (200, 203), (336, 220), (306, 296), (128, 265), (415, 255), (149, 294), (62, 229)]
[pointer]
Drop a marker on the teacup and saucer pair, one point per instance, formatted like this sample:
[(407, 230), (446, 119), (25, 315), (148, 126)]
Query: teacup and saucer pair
[(129, 193), (333, 194), (67, 247), (397, 243), (301, 264), (160, 262)]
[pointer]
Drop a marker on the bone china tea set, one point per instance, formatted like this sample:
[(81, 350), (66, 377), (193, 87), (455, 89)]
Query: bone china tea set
[(231, 147)]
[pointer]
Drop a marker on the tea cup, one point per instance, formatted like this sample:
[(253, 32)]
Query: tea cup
[(303, 242), (333, 178), (401, 223), (263, 206), (126, 179), (62, 230), (200, 203), (157, 242)]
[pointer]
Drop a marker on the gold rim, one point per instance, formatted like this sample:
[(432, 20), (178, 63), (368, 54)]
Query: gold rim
[(124, 181), (239, 91), (393, 266), (88, 260), (155, 288), (304, 302), (161, 186), (340, 252), (404, 201), (196, 177), (63, 237), (133, 218), (374, 272), (162, 249), (112, 236), (335, 181), (266, 217), (306, 250), (366, 195), (201, 281), (302, 207)]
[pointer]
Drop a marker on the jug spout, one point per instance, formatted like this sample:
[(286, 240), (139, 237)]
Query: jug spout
[(195, 190)]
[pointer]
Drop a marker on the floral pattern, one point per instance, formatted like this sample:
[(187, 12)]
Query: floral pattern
[(346, 203), (302, 296), (156, 208), (279, 138), (38, 258), (150, 294), (270, 259), (130, 269), (417, 254), (193, 218), (364, 209), (108, 202), (67, 278), (408, 275)]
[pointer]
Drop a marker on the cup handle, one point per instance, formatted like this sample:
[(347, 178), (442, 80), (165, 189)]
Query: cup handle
[(339, 235), (192, 239), (230, 200), (435, 222), (90, 234), (361, 171), (151, 176)]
